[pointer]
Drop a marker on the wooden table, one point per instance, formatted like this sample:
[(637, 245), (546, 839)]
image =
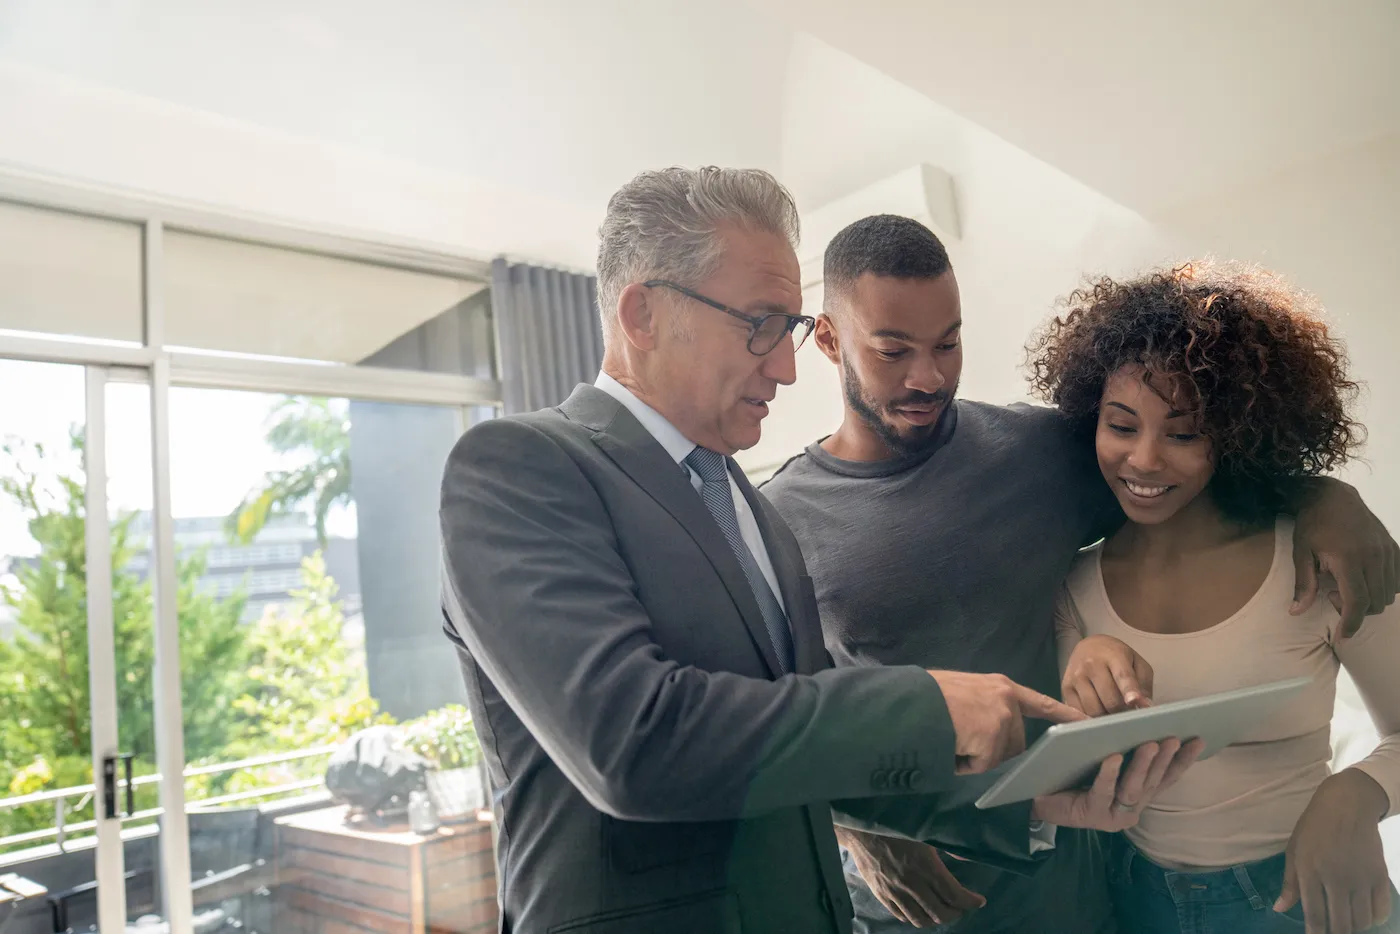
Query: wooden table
[(13, 890), (337, 878)]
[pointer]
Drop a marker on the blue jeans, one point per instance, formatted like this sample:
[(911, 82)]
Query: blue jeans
[(1148, 899)]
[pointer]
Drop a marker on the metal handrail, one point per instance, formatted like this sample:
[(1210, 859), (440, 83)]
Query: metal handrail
[(62, 830), (34, 836), (54, 794)]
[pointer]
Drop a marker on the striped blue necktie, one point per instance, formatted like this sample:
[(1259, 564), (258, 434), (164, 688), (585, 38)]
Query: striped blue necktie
[(713, 470)]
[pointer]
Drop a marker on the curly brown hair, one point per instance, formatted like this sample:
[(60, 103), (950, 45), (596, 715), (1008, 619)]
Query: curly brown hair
[(1233, 344)]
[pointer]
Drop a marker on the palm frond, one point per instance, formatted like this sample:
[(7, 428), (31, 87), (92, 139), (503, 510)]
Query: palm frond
[(310, 426)]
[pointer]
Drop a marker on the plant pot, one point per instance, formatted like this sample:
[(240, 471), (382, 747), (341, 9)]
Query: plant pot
[(456, 793)]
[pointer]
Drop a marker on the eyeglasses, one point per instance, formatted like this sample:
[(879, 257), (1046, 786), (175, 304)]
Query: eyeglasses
[(765, 331)]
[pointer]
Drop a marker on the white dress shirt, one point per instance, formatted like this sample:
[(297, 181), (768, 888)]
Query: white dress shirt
[(679, 447)]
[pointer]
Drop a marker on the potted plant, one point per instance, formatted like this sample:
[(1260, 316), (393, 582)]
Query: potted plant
[(447, 740)]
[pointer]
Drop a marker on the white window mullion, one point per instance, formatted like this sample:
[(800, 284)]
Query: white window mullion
[(169, 703), (102, 675)]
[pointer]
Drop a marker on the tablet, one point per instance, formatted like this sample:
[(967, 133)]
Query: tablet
[(1068, 755)]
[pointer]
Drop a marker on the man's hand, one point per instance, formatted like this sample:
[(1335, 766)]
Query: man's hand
[(987, 712), (909, 879), (1336, 534), (1116, 800), (1334, 860), (1105, 676)]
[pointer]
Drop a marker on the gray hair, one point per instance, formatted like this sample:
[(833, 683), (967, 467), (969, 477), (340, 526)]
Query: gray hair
[(663, 225)]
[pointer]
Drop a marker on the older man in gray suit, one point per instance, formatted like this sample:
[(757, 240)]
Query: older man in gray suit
[(639, 636)]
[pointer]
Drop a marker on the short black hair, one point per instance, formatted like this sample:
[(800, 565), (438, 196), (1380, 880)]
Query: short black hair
[(884, 245)]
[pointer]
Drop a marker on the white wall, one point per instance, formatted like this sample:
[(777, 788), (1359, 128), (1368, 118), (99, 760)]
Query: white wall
[(1142, 101), (1333, 227), (1028, 231)]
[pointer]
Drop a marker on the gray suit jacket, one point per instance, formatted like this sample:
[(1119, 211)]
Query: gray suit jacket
[(651, 773)]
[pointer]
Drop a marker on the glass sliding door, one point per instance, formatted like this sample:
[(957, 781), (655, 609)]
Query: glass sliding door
[(73, 620), (207, 580)]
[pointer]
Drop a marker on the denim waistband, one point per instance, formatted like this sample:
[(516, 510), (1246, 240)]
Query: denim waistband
[(1258, 882)]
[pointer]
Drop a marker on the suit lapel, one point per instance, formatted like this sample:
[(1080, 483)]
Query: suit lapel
[(629, 445), (808, 648)]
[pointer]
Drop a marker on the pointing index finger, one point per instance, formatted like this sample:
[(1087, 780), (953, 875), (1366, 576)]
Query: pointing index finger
[(1035, 704)]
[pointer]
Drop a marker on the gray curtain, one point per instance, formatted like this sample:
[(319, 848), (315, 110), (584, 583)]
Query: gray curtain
[(548, 331)]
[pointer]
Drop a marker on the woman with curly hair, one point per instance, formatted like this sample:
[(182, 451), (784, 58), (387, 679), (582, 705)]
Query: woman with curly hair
[(1211, 395)]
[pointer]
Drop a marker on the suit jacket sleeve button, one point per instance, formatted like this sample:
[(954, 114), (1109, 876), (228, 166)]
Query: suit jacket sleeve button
[(915, 777)]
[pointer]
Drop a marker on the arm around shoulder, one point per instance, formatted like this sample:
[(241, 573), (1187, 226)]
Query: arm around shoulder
[(1337, 534)]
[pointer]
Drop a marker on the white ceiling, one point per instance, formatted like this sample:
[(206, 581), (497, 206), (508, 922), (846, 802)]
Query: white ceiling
[(556, 97), (1149, 103)]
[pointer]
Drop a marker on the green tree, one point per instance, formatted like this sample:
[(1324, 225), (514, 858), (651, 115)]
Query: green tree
[(306, 684), (45, 668), (287, 682), (45, 702), (317, 429)]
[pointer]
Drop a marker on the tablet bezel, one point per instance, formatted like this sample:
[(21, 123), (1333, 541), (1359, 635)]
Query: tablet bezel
[(1068, 755)]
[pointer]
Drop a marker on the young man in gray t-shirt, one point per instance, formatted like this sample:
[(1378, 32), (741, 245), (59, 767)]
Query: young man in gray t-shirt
[(937, 533)]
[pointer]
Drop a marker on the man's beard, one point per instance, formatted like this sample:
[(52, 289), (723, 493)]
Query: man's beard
[(918, 438)]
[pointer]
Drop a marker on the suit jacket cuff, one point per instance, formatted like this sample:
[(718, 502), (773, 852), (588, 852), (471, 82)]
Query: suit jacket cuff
[(951, 821)]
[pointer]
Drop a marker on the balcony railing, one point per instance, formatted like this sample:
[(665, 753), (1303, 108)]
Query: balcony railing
[(62, 831), (248, 861)]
